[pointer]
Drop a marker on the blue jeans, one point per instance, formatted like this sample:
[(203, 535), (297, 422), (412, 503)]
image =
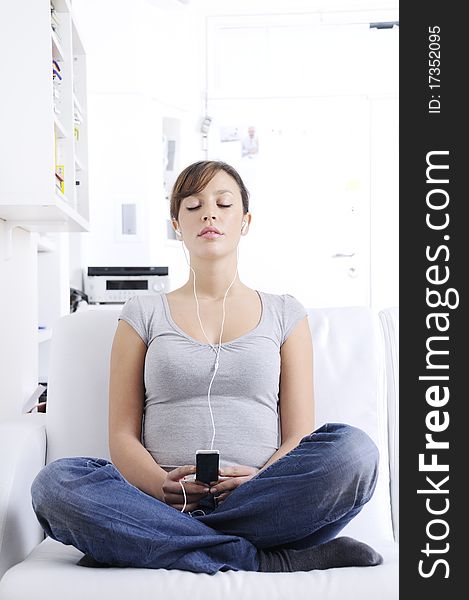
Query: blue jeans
[(303, 499)]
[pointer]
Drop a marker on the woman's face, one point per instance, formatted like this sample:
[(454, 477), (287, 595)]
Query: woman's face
[(218, 205)]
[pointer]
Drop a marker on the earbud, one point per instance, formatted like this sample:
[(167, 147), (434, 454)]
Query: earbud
[(178, 233)]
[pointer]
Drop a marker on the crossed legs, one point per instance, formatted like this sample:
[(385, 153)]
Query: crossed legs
[(301, 501)]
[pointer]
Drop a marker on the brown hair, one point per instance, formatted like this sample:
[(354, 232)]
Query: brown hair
[(194, 178)]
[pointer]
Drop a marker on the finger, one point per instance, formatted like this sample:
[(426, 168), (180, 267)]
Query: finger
[(180, 472), (200, 493), (179, 498), (194, 489), (193, 492), (189, 483), (230, 484), (189, 506), (219, 480), (217, 489), (238, 471), (221, 498)]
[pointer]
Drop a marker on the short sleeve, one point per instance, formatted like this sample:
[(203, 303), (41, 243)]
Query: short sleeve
[(134, 314), (293, 312)]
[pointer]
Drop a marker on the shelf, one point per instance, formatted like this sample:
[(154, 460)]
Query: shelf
[(29, 198), (56, 216)]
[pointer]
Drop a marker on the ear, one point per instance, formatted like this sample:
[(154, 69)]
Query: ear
[(175, 227), (245, 223)]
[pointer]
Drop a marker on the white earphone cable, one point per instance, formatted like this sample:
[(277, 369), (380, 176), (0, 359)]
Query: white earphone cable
[(219, 341), (185, 495), (212, 346)]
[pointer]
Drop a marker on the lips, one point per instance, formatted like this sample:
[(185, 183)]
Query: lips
[(210, 230)]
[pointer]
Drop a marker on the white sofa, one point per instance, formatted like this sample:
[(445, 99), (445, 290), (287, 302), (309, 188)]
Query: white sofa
[(356, 376)]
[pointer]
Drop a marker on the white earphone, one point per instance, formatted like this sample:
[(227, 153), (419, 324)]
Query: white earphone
[(217, 351)]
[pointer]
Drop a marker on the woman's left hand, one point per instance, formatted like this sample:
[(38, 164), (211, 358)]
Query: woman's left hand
[(231, 478)]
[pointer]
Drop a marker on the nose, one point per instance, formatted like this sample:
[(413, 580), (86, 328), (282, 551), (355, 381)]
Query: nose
[(205, 218)]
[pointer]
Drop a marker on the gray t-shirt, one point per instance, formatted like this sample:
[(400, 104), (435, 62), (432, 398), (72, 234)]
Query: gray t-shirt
[(244, 394)]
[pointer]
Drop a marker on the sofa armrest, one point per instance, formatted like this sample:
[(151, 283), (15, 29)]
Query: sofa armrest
[(390, 324), (22, 452)]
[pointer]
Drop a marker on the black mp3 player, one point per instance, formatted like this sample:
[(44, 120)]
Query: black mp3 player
[(207, 464)]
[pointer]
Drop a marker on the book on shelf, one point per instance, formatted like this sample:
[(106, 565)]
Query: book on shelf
[(56, 76), (77, 119), (56, 65), (56, 81), (59, 178)]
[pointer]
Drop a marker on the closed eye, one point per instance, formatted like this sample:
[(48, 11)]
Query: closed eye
[(219, 205)]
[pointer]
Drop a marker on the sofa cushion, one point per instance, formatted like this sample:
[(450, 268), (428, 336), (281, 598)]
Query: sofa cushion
[(50, 573), (78, 386), (350, 387)]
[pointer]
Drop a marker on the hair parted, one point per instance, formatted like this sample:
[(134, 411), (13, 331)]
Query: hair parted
[(194, 178)]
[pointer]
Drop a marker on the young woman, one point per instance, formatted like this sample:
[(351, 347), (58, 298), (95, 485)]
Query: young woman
[(213, 365)]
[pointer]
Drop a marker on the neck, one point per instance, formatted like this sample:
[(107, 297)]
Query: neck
[(213, 278)]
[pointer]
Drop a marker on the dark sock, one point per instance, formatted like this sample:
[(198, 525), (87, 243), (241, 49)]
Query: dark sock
[(88, 561), (339, 552)]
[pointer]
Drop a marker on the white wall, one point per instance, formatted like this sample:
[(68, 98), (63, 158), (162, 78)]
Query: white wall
[(18, 320)]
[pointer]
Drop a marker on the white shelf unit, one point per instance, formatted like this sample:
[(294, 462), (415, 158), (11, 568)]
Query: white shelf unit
[(39, 133)]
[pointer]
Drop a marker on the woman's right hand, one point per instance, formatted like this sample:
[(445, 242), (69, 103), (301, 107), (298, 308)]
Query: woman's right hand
[(172, 489)]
